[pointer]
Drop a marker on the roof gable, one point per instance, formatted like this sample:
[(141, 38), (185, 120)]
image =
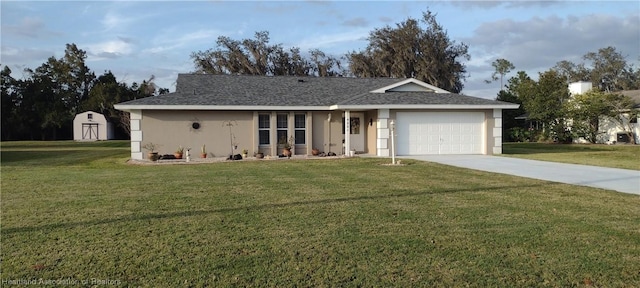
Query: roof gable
[(410, 85)]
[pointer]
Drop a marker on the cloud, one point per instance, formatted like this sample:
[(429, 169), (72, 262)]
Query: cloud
[(122, 16), (30, 27), (108, 50), (126, 39), (344, 41), (356, 22), (26, 56), (385, 19), (471, 5), (166, 42), (113, 21), (539, 43)]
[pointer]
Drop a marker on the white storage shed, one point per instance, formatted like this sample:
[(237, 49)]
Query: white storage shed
[(91, 126)]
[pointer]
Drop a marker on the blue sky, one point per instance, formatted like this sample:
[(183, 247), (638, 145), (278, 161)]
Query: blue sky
[(136, 39)]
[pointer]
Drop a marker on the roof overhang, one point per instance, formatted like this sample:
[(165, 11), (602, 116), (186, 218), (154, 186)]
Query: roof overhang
[(311, 108), (218, 107), (424, 106)]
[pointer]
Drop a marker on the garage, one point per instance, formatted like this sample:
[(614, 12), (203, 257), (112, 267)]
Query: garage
[(424, 133)]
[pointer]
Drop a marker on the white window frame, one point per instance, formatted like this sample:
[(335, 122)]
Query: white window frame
[(268, 129), (284, 128), (300, 140)]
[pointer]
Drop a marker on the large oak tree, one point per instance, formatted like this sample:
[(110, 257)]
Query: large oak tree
[(410, 49), (258, 57)]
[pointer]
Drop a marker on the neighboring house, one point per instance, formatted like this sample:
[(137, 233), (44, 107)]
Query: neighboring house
[(611, 131), (230, 113), (91, 126)]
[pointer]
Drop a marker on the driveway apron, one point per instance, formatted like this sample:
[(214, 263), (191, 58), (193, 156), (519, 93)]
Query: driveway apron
[(622, 180)]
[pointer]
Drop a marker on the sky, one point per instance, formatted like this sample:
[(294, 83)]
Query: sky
[(137, 39)]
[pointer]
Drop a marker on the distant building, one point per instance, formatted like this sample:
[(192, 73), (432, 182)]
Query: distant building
[(609, 131), (91, 126)]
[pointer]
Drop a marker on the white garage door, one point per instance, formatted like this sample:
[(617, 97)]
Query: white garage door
[(422, 133)]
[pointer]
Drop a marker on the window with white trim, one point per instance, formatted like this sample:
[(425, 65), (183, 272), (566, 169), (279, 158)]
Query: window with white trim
[(300, 128), (282, 128), (264, 125)]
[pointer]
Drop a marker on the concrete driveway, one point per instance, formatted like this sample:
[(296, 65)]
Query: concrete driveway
[(622, 180)]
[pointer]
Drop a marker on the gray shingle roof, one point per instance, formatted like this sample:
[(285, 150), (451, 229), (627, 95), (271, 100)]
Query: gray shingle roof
[(243, 90), (418, 98)]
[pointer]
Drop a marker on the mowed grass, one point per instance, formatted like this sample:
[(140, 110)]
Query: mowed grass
[(614, 156), (89, 216)]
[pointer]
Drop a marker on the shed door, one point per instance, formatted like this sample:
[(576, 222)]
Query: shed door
[(422, 133), (90, 131)]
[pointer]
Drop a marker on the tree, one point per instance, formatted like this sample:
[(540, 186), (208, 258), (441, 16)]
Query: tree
[(588, 110), (321, 64), (50, 96), (78, 76), (585, 111), (9, 89), (608, 71), (44, 103), (544, 101), (502, 67), (572, 72), (258, 57), (409, 50), (622, 110), (608, 68), (509, 115), (107, 91)]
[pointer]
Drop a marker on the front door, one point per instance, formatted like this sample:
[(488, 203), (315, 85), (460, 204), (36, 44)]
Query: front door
[(357, 131)]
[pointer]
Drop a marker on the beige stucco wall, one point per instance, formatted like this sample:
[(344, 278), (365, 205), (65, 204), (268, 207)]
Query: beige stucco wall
[(371, 131), (327, 135), (171, 129), (320, 131)]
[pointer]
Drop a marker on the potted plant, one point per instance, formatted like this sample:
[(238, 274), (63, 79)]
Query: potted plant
[(315, 152), (286, 146), (244, 153), (179, 152), (203, 151), (152, 153), (259, 155)]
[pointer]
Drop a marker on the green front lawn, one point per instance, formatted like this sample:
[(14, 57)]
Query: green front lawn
[(81, 213), (614, 156)]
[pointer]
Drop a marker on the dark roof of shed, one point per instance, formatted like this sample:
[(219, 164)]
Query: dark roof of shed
[(634, 95), (245, 90)]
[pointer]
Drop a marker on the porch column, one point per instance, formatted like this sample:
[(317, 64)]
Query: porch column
[(347, 132), (309, 133), (273, 133), (291, 131), (497, 132), (136, 134), (383, 133)]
